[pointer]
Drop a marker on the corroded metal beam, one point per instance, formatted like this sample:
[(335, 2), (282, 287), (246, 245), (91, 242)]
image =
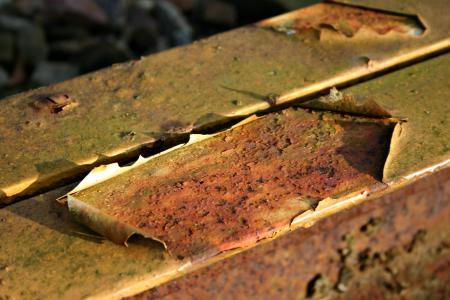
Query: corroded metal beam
[(396, 245), (40, 243), (268, 176), (67, 128)]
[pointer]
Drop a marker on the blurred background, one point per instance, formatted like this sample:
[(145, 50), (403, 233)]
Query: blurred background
[(47, 41)]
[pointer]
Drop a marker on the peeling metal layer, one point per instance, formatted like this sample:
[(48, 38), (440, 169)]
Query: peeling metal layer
[(347, 103), (238, 187), (101, 117)]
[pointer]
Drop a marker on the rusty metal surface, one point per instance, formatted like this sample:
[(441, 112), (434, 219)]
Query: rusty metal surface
[(395, 247), (112, 113), (45, 255), (107, 270), (241, 186), (345, 20), (315, 170)]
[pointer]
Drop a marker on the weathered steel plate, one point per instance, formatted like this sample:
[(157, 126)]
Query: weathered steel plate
[(41, 227), (251, 182), (240, 186), (51, 134)]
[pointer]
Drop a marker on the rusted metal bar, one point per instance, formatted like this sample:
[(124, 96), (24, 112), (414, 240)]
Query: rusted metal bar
[(43, 254), (259, 179), (391, 248), (113, 114)]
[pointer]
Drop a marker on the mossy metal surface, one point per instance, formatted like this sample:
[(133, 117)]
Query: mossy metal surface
[(44, 255), (41, 249), (52, 134)]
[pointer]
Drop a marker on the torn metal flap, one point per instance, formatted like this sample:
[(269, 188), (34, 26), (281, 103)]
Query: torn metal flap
[(345, 102)]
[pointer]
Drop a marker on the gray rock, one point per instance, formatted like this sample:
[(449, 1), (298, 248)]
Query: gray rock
[(142, 32), (162, 43), (13, 23), (31, 45), (146, 5), (30, 38), (219, 12), (27, 7), (65, 32), (103, 53), (173, 23), (4, 2), (115, 9), (6, 47), (87, 10), (185, 5), (47, 72), (4, 77), (68, 48)]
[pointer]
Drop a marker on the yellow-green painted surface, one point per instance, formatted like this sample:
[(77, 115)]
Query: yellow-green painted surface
[(43, 255)]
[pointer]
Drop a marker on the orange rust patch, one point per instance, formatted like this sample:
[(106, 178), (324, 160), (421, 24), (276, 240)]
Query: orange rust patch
[(244, 185), (345, 19)]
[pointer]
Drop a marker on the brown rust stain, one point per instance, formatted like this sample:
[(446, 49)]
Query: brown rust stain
[(246, 184), (347, 20)]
